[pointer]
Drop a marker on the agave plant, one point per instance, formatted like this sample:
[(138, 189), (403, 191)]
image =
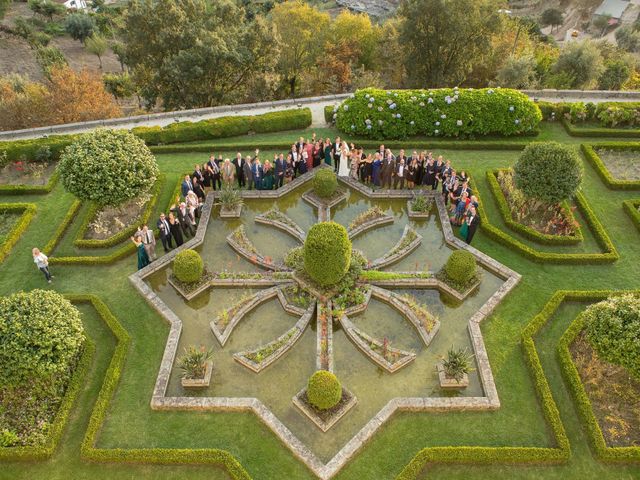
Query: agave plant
[(457, 363), (420, 203), (230, 198), (194, 362)]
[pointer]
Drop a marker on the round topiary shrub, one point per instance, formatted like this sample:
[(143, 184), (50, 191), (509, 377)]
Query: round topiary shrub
[(188, 266), (325, 183), (41, 337), (108, 167), (461, 267), (548, 171), (324, 390), (327, 253), (613, 329)]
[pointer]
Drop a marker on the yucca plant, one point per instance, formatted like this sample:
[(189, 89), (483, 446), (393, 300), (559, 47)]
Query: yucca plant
[(230, 198), (457, 363), (421, 203), (194, 362)]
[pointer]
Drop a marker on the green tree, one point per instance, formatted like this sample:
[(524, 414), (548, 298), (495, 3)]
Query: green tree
[(628, 39), (47, 8), (443, 39), (189, 54), (48, 58), (80, 26), (120, 85), (615, 74), (601, 22), (97, 45), (551, 17), (581, 62), (301, 32), (517, 72)]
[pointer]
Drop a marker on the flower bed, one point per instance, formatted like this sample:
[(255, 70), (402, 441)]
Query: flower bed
[(279, 220), (352, 300), (409, 241), (324, 337), (240, 243), (366, 217)]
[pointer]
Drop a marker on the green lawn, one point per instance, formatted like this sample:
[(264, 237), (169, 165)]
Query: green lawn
[(130, 423)]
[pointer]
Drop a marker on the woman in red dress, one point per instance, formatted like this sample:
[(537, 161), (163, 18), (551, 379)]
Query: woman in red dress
[(309, 148)]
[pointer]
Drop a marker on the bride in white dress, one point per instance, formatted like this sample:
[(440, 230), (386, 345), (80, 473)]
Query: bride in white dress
[(343, 170)]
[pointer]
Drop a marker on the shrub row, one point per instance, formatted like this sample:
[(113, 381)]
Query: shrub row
[(42, 452), (607, 114), (388, 114), (609, 255), (119, 237), (580, 396), (88, 449), (20, 150), (589, 151), (509, 455), (225, 127), (525, 230), (599, 131), (631, 207), (28, 212), (31, 189)]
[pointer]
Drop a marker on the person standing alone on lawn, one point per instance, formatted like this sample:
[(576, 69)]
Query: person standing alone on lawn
[(42, 262)]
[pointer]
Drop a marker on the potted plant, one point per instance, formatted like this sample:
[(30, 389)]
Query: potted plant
[(230, 202), (196, 366), (453, 370)]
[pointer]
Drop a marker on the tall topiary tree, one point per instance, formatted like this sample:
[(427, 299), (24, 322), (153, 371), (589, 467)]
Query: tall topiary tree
[(108, 167), (327, 253), (41, 336), (548, 172)]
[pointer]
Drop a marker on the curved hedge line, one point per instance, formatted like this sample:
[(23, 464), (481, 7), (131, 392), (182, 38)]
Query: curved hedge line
[(29, 211), (445, 112), (603, 172), (631, 207), (525, 230)]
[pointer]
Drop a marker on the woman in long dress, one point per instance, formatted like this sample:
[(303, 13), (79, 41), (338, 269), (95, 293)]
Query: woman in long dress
[(176, 229), (143, 257), (343, 171)]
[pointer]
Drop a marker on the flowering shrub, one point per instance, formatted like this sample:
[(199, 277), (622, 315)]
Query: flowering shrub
[(386, 114), (612, 114)]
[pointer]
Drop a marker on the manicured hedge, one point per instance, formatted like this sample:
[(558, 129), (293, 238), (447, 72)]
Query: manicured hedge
[(525, 230), (575, 131), (580, 396), (31, 189), (328, 114), (119, 237), (327, 253), (560, 453), (609, 255), (19, 150), (28, 212), (590, 153), (389, 114), (631, 207)]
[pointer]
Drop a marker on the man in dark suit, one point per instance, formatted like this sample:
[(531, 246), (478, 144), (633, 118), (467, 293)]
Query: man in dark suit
[(187, 186), (165, 233), (238, 162), (186, 220), (280, 167), (337, 149), (216, 179), (386, 170), (473, 221), (248, 175), (197, 173), (399, 174)]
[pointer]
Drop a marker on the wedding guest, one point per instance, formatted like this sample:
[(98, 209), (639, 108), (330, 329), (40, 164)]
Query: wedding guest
[(228, 172), (187, 185), (42, 262), (267, 176), (400, 172), (149, 241), (317, 154), (207, 177), (337, 151), (386, 170), (288, 171), (295, 159), (280, 167), (197, 189), (184, 217), (176, 229), (412, 172), (472, 221), (238, 163), (256, 171), (165, 233), (248, 174), (143, 258), (328, 151), (375, 169), (308, 148), (214, 166), (198, 174)]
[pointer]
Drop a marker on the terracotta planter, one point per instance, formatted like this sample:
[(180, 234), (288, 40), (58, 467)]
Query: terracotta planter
[(447, 383), (199, 382)]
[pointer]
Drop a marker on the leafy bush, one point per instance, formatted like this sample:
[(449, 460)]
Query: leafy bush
[(324, 390), (548, 171), (108, 167), (41, 335), (461, 266), (188, 266), (457, 363), (295, 258), (230, 198), (327, 253), (325, 182), (613, 329), (194, 362), (618, 114), (443, 112)]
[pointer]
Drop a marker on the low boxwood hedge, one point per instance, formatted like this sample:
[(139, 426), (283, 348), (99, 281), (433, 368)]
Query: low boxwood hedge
[(31, 189), (525, 230), (591, 154), (28, 211), (397, 114), (631, 207)]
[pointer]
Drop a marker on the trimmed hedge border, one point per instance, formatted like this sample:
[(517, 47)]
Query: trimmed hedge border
[(43, 452), (599, 131), (510, 455), (62, 228), (29, 211), (589, 151), (609, 255), (119, 237), (585, 410), (31, 189), (524, 230), (631, 207)]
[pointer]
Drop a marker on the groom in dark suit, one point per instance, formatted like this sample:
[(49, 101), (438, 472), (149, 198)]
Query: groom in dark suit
[(337, 148)]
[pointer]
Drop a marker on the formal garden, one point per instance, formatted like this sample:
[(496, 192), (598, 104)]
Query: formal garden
[(328, 328)]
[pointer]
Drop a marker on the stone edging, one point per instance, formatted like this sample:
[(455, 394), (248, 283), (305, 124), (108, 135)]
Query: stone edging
[(298, 329), (360, 339), (432, 282), (328, 363), (246, 306), (227, 283), (317, 421), (294, 231), (230, 213), (313, 199), (361, 307), (256, 257), (368, 225), (387, 259)]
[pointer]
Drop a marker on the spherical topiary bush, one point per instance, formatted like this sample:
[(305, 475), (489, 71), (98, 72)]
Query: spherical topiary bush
[(108, 167), (327, 253), (461, 266), (613, 329), (188, 266), (548, 171), (324, 390), (41, 336), (325, 183)]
